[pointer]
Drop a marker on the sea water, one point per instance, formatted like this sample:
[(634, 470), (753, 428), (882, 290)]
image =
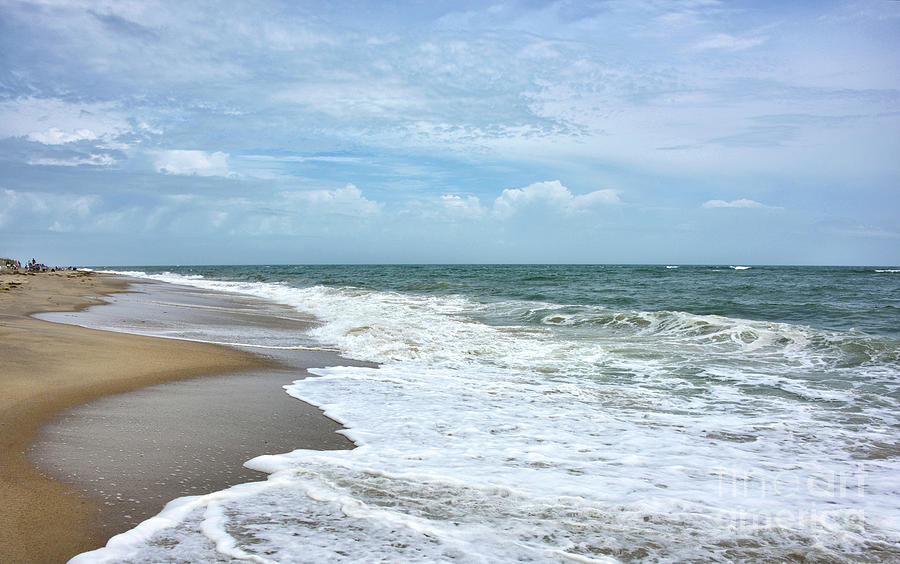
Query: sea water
[(570, 414)]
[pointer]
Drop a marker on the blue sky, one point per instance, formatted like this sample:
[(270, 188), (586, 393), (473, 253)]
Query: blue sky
[(640, 131)]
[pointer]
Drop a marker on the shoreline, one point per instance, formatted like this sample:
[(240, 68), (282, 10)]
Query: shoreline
[(50, 367)]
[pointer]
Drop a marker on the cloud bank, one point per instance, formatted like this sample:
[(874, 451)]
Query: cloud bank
[(548, 197)]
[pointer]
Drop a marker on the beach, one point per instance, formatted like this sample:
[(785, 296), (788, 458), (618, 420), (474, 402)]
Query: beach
[(49, 368), (542, 413)]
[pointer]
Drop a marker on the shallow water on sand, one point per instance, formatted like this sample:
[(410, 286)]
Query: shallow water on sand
[(136, 451)]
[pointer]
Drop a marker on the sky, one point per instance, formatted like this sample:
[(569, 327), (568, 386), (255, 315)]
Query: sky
[(639, 131)]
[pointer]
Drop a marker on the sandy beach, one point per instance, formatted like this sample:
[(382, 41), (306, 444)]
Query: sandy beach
[(49, 367)]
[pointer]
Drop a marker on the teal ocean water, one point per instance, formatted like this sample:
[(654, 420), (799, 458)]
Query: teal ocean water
[(839, 298), (550, 413)]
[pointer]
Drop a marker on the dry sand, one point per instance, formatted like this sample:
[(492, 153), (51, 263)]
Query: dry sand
[(46, 368)]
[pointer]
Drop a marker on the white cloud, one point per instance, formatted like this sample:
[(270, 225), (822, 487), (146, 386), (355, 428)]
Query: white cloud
[(550, 196), (144, 126), (196, 163), (348, 200), (51, 121), (742, 203), (469, 207), (93, 160), (728, 42), (55, 136), (354, 97)]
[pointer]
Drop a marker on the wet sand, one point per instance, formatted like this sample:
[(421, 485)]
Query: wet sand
[(137, 451), (126, 453)]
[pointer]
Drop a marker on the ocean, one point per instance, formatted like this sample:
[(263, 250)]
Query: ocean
[(547, 413)]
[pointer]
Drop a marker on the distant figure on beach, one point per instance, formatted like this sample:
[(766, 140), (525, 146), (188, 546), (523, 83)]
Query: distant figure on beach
[(9, 265)]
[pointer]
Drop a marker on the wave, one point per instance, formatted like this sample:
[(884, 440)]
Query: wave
[(166, 276), (385, 326)]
